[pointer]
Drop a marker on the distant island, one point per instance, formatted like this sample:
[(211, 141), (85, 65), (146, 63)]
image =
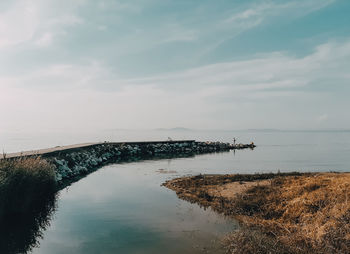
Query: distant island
[(175, 129)]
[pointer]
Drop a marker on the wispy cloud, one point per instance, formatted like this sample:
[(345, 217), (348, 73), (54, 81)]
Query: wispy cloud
[(28, 21), (45, 40), (131, 33), (242, 19), (266, 73), (267, 83), (64, 77), (18, 23), (175, 33), (265, 10), (65, 60)]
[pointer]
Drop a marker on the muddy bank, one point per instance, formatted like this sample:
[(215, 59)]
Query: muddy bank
[(216, 191), (278, 213)]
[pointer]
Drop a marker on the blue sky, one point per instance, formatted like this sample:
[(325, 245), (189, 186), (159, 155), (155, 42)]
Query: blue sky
[(161, 63)]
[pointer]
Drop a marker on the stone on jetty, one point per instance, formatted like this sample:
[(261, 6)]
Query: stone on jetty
[(77, 160)]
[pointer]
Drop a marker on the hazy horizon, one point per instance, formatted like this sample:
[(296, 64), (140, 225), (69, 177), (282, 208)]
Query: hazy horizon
[(89, 65)]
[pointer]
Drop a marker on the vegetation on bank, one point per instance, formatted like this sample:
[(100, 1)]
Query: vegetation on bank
[(199, 188), (305, 213), (24, 182)]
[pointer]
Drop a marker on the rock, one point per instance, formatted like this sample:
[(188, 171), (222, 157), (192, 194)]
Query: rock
[(84, 160), (58, 177), (80, 170)]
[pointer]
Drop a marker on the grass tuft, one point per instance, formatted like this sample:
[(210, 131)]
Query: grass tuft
[(23, 183)]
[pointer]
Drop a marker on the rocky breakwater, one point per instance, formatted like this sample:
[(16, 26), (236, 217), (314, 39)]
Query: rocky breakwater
[(74, 163)]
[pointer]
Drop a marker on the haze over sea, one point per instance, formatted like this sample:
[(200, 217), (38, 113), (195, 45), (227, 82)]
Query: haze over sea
[(302, 150)]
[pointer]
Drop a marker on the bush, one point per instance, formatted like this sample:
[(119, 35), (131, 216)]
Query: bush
[(23, 183)]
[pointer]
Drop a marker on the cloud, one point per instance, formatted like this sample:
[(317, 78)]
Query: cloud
[(128, 32), (277, 87), (176, 33), (323, 118), (202, 29), (59, 77), (265, 10), (74, 87), (18, 23), (242, 19), (269, 73), (29, 21), (276, 74), (45, 40)]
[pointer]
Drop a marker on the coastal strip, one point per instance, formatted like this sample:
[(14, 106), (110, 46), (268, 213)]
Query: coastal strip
[(278, 213), (74, 161)]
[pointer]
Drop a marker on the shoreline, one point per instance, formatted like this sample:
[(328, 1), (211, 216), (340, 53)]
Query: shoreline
[(29, 185), (283, 213), (73, 162), (47, 152)]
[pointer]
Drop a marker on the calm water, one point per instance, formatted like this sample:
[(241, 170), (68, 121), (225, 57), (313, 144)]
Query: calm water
[(306, 151), (122, 208)]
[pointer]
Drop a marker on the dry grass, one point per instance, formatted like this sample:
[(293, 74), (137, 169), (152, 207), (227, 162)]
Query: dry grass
[(292, 214), (308, 214), (251, 241), (211, 190), (23, 182)]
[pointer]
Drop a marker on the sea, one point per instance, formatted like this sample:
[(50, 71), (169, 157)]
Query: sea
[(123, 208)]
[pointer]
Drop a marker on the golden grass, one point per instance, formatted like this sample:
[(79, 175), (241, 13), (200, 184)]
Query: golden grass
[(202, 189), (307, 213)]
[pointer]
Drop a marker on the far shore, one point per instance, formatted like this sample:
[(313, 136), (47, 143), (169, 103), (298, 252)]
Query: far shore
[(278, 213)]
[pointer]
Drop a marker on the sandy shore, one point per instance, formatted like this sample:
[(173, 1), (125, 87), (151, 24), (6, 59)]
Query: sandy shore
[(278, 213)]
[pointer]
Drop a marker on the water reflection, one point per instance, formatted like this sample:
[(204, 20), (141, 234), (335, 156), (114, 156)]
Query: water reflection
[(122, 208), (21, 232), (144, 158)]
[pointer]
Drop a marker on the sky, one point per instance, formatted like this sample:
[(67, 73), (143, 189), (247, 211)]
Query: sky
[(202, 64)]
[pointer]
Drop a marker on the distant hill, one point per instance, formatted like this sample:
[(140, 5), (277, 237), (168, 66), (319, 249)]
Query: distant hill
[(320, 130), (265, 130), (174, 129)]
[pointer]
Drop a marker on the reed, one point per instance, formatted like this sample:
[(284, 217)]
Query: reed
[(23, 183)]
